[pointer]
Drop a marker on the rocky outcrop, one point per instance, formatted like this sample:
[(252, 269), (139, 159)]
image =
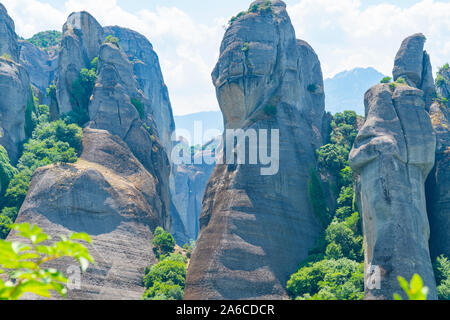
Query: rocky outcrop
[(115, 107), (112, 197), (393, 155), (8, 37), (438, 184), (256, 229), (81, 41), (146, 68), (15, 93), (41, 68), (413, 64)]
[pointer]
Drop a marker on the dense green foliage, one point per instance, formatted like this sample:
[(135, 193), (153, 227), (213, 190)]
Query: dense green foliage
[(166, 279), (328, 279), (139, 107), (265, 7), (113, 40), (46, 40), (24, 263), (386, 80), (163, 242), (50, 142), (82, 89), (7, 171), (442, 274), (334, 269)]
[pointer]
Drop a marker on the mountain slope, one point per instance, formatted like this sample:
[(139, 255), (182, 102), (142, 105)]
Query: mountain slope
[(345, 91)]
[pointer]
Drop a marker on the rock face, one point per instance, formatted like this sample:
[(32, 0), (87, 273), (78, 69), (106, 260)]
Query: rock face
[(81, 41), (112, 109), (256, 229), (118, 191), (40, 67), (15, 93), (393, 155), (112, 197), (413, 64), (8, 37), (145, 63), (438, 185), (190, 183)]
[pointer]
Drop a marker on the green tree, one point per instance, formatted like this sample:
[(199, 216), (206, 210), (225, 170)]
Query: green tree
[(341, 279), (442, 274), (7, 171), (163, 242), (316, 196)]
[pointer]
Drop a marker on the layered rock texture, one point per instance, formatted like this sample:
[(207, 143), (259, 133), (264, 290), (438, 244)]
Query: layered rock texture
[(256, 229), (41, 68), (393, 155), (81, 41), (438, 184), (109, 195), (15, 91), (413, 64), (118, 191)]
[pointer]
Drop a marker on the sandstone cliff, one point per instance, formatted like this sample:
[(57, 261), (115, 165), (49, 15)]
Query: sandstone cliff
[(118, 190), (393, 155), (41, 68), (256, 229), (112, 197), (81, 41), (438, 185), (16, 101)]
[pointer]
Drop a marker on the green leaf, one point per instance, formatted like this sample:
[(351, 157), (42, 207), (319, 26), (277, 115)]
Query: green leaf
[(81, 236), (397, 297), (416, 284)]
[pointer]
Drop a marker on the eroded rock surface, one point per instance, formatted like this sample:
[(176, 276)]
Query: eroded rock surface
[(81, 41), (438, 184), (41, 68), (15, 92), (393, 155), (256, 229), (112, 197), (413, 64)]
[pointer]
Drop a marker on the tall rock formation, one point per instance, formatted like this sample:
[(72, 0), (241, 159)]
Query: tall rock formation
[(393, 155), (413, 64), (438, 184), (16, 100), (112, 197), (148, 74), (8, 38), (256, 229), (118, 191), (112, 108), (81, 41), (41, 68)]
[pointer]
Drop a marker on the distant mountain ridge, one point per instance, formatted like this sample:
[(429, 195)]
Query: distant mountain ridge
[(345, 91)]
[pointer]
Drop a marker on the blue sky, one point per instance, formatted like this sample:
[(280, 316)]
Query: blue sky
[(187, 34)]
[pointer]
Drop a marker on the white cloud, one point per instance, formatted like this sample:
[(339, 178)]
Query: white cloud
[(343, 33), (346, 36)]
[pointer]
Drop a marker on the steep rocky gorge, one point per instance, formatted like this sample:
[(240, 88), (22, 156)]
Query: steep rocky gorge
[(262, 80)]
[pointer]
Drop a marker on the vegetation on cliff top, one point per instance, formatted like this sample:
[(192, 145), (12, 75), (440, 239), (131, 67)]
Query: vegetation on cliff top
[(47, 40)]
